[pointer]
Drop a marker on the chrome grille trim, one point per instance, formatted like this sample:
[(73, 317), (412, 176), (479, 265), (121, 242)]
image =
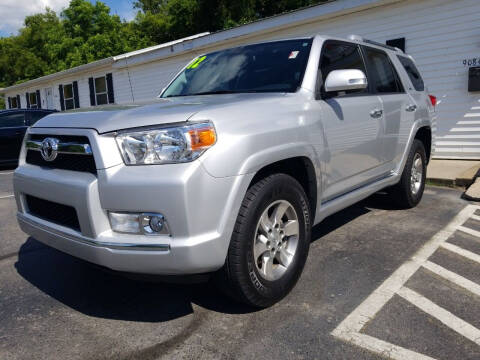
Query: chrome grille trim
[(63, 148)]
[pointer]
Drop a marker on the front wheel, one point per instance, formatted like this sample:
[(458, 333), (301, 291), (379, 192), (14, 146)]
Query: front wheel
[(409, 191), (270, 242)]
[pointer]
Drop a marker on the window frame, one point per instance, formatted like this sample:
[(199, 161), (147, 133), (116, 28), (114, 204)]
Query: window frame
[(398, 80), (100, 93), (65, 98), (319, 88)]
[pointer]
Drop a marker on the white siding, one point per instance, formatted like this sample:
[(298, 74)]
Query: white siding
[(439, 35)]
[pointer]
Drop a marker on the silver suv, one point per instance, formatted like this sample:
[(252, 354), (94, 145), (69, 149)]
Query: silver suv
[(244, 151)]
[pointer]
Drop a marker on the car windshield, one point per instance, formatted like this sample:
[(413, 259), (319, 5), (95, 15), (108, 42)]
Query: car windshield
[(270, 67)]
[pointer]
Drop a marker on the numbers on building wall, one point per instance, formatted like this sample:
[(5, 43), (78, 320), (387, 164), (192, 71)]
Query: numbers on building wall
[(471, 62)]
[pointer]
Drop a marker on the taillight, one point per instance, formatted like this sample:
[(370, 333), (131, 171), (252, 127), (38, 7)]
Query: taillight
[(433, 100)]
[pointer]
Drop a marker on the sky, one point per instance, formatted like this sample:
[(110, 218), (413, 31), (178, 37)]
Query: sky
[(13, 12)]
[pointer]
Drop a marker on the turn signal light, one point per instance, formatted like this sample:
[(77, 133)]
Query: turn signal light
[(202, 138)]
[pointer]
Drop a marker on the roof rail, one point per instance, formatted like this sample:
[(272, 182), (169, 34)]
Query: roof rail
[(382, 45), (376, 43)]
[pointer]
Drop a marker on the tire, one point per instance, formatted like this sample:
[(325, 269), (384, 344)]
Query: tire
[(261, 281), (409, 191)]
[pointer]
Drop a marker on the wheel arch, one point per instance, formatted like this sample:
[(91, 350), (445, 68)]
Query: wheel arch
[(424, 134), (301, 168)]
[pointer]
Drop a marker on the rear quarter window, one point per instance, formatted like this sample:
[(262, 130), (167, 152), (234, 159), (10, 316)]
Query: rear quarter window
[(412, 72)]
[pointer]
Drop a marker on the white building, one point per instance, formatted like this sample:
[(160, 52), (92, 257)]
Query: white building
[(442, 35)]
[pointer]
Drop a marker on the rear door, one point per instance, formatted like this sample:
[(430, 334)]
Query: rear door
[(352, 124), (385, 82), (12, 130)]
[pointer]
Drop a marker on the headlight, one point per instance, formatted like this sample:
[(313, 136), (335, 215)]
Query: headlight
[(166, 145)]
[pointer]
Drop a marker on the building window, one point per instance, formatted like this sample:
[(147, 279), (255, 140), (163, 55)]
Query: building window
[(13, 102), (101, 94), (68, 97), (32, 97), (101, 90)]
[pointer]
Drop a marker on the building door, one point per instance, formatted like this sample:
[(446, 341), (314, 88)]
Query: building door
[(49, 97)]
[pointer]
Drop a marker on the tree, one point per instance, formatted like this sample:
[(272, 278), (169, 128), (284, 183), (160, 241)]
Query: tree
[(86, 32)]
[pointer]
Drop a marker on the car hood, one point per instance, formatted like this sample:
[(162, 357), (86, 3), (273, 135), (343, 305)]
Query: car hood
[(163, 111)]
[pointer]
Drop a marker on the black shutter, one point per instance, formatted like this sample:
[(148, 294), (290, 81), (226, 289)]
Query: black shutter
[(39, 100), (92, 91), (9, 102), (27, 95), (18, 102), (76, 100), (111, 98), (62, 103)]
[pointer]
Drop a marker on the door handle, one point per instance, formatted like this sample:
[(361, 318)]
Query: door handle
[(376, 113), (411, 107)]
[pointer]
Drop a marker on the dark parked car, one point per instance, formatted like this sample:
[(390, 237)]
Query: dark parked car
[(13, 124)]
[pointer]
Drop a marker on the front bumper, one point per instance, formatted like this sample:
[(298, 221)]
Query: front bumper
[(200, 210)]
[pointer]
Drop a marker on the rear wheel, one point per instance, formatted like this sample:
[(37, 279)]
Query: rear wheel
[(270, 242), (409, 191)]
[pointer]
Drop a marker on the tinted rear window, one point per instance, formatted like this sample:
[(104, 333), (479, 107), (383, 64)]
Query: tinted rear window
[(382, 74), (33, 117), (412, 72), (12, 120)]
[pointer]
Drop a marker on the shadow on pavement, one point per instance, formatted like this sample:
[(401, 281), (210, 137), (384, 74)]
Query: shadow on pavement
[(107, 294)]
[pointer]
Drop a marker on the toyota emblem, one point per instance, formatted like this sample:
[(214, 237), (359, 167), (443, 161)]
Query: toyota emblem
[(49, 149)]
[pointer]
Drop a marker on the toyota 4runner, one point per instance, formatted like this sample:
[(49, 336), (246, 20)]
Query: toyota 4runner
[(244, 151)]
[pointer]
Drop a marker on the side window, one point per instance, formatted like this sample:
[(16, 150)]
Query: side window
[(12, 120), (340, 56), (412, 72), (382, 75), (34, 116)]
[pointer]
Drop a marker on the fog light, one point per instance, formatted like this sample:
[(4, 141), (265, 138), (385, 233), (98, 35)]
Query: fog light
[(139, 223), (156, 223)]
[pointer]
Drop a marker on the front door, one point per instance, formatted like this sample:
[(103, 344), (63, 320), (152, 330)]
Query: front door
[(49, 97), (353, 126)]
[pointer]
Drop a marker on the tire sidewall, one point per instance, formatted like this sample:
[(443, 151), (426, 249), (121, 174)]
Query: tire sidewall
[(417, 148), (281, 187)]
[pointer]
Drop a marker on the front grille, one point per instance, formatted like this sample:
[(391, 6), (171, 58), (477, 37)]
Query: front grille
[(51, 211), (74, 162)]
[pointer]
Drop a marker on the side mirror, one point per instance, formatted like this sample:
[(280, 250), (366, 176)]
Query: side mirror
[(343, 80)]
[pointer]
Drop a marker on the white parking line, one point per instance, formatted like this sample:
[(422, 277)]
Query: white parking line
[(462, 252), (6, 196), (467, 230), (475, 217), (349, 329), (439, 313), (474, 288), (6, 173)]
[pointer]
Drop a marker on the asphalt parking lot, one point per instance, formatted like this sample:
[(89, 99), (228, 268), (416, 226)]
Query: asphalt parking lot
[(379, 283)]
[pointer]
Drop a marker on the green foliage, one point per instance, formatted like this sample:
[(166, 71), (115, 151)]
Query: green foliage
[(85, 32)]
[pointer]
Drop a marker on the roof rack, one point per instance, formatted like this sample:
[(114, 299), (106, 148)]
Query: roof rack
[(376, 43)]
